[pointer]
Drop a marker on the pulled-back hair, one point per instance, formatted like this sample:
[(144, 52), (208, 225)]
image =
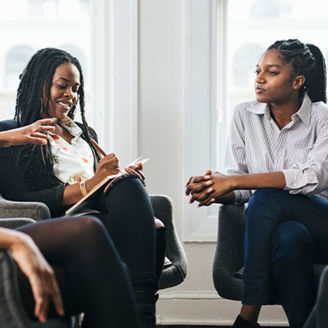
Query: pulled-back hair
[(36, 80), (306, 60)]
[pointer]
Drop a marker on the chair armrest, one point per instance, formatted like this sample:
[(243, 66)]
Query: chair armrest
[(12, 314), (14, 223), (35, 210), (229, 253), (176, 272)]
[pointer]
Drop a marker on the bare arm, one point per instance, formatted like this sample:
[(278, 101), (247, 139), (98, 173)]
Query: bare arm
[(36, 268), (107, 166), (222, 186), (30, 134), (259, 180)]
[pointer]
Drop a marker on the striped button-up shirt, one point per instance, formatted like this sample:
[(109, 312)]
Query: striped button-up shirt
[(299, 149)]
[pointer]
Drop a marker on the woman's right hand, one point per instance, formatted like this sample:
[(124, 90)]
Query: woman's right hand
[(198, 184), (29, 134), (40, 275), (108, 165)]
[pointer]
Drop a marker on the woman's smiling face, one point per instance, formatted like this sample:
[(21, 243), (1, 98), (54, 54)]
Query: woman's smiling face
[(63, 91)]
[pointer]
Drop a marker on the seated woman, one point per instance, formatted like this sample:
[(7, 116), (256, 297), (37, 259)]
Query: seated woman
[(90, 274), (68, 166), (279, 147)]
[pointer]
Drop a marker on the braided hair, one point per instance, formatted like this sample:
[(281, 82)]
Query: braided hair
[(35, 81), (306, 60)]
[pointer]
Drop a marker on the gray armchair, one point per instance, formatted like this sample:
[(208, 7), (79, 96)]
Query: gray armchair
[(33, 210), (229, 254), (175, 271), (12, 314)]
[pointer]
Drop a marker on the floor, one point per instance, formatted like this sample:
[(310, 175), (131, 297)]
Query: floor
[(159, 326)]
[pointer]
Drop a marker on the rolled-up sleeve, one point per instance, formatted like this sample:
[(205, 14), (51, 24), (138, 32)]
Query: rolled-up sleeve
[(235, 159), (311, 177)]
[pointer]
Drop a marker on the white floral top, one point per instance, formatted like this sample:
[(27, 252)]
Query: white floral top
[(72, 162)]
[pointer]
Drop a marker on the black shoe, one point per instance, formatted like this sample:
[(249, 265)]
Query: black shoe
[(243, 323), (146, 309)]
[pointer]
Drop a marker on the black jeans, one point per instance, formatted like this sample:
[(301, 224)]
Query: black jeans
[(127, 214), (91, 275)]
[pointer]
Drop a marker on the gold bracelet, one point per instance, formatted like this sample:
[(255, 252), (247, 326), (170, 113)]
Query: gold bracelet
[(83, 188)]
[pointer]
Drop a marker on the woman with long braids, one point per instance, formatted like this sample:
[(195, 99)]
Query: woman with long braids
[(67, 286), (279, 147), (60, 173)]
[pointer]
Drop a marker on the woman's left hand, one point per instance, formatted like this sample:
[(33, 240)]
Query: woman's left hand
[(136, 169)]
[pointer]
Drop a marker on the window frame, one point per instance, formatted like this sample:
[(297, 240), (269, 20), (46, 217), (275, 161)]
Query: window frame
[(114, 75), (205, 100)]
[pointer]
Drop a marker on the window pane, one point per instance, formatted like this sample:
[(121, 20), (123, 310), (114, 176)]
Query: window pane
[(29, 25), (252, 26)]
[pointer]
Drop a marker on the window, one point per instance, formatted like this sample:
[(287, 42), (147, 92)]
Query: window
[(253, 25), (15, 62), (29, 25), (224, 39), (41, 8), (104, 37)]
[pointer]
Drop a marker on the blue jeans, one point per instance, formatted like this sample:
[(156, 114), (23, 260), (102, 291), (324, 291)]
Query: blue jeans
[(284, 235)]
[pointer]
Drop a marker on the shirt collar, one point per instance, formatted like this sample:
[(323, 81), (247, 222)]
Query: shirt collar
[(304, 113), (71, 127)]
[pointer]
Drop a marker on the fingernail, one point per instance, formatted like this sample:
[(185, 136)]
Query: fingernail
[(208, 183), (210, 190)]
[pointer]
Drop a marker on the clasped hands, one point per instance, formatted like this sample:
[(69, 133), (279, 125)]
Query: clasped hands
[(208, 188)]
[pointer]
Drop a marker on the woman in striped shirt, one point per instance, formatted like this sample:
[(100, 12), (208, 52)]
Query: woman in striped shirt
[(279, 147)]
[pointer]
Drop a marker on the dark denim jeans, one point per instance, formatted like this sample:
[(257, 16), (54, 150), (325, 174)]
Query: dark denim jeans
[(285, 235)]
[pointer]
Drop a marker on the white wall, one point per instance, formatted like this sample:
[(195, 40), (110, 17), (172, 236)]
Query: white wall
[(161, 138)]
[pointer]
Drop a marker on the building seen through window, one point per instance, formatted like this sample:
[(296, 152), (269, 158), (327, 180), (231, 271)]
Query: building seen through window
[(252, 26), (29, 25)]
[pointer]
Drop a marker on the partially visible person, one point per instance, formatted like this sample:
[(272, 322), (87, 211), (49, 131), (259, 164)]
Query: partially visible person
[(90, 274), (278, 146)]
